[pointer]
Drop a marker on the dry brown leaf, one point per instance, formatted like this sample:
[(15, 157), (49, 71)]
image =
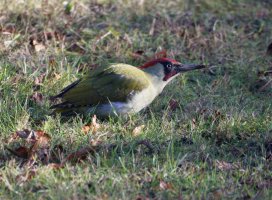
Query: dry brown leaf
[(225, 166), (56, 35), (21, 152), (55, 166), (93, 127), (94, 142), (8, 29), (138, 54), (138, 130), (37, 98), (28, 175), (43, 137), (36, 45), (40, 143), (39, 47), (79, 155), (41, 146), (165, 186), (33, 136), (19, 134), (39, 79), (86, 129), (57, 76), (42, 140), (161, 54)]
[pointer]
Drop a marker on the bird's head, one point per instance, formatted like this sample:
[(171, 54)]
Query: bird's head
[(165, 69)]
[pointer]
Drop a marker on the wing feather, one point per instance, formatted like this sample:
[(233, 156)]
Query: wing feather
[(114, 83)]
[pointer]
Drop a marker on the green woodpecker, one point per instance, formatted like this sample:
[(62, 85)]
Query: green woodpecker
[(119, 89)]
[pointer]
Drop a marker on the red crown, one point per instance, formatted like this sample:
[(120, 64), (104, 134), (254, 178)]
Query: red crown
[(155, 61)]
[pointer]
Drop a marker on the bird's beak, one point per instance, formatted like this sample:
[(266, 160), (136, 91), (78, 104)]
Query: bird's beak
[(179, 68)]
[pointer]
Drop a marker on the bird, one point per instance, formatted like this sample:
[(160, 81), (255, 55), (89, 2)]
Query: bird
[(119, 89)]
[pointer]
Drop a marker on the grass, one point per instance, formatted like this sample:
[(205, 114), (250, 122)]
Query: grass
[(216, 144)]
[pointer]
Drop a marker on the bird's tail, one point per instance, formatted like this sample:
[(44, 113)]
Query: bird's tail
[(68, 110)]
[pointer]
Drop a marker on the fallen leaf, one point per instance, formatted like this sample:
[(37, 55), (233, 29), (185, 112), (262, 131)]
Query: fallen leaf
[(36, 45), (225, 166), (42, 140), (161, 54), (39, 47), (37, 98), (86, 129), (8, 30), (217, 115), (19, 134), (137, 130), (21, 152), (33, 136), (93, 127), (55, 165), (165, 186), (79, 155), (95, 142), (26, 176), (39, 79), (39, 145), (41, 38), (53, 35), (138, 54), (57, 76)]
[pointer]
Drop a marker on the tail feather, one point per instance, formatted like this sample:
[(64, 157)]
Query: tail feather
[(66, 89), (62, 105), (69, 111), (65, 108)]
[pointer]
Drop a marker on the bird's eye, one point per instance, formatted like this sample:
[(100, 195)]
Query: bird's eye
[(169, 66)]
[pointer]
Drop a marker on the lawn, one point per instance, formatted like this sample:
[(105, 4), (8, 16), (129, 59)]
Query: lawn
[(207, 136)]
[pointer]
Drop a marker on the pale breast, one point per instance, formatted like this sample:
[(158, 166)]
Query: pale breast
[(136, 103), (142, 99)]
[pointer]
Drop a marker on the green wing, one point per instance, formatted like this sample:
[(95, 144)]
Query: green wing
[(114, 83)]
